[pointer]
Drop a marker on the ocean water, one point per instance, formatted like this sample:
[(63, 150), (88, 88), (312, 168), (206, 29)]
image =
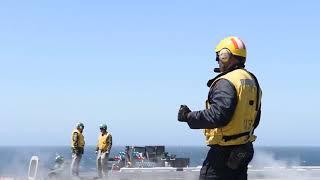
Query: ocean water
[(15, 160)]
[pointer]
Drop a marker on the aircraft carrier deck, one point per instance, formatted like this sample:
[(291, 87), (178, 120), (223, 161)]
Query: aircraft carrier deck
[(192, 173)]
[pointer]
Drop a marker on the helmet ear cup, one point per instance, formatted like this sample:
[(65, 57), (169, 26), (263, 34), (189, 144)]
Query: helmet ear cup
[(224, 55)]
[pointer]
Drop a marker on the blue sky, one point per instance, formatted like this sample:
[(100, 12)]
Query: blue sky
[(131, 64)]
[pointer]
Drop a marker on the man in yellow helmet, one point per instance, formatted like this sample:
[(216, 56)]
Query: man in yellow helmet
[(103, 150), (77, 148), (233, 110)]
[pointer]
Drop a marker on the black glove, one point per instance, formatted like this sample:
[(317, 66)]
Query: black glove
[(183, 113), (75, 151), (81, 150), (78, 150)]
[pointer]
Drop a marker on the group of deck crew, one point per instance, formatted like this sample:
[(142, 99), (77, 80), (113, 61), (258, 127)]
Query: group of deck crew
[(102, 149)]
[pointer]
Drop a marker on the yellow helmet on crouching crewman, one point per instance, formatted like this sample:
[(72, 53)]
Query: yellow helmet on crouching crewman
[(234, 45)]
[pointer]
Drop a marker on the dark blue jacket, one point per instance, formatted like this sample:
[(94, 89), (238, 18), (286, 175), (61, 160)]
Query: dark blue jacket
[(222, 98)]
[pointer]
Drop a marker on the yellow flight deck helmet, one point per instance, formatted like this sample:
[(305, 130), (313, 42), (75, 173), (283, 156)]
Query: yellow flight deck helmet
[(234, 45)]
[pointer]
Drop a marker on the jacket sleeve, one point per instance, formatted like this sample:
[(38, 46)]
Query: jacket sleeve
[(223, 100), (109, 140), (97, 146), (75, 140)]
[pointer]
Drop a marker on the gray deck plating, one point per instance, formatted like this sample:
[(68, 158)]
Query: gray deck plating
[(266, 173), (191, 173)]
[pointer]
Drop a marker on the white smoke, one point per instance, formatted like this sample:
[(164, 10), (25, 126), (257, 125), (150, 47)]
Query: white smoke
[(17, 164), (266, 166)]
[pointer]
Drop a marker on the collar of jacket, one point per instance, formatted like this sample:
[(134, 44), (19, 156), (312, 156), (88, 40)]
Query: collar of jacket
[(236, 66)]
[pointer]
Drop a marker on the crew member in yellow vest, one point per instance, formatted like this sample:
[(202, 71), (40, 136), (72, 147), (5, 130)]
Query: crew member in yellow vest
[(103, 150), (77, 148), (233, 111)]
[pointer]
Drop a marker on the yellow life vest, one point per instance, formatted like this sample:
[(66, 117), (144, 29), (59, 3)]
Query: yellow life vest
[(103, 143), (240, 128), (80, 142)]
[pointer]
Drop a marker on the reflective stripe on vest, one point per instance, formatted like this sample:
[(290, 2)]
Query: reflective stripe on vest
[(80, 142), (239, 129), (103, 143)]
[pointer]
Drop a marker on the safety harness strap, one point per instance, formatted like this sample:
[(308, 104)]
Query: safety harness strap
[(228, 138)]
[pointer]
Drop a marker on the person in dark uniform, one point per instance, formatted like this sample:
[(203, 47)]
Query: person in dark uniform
[(233, 111)]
